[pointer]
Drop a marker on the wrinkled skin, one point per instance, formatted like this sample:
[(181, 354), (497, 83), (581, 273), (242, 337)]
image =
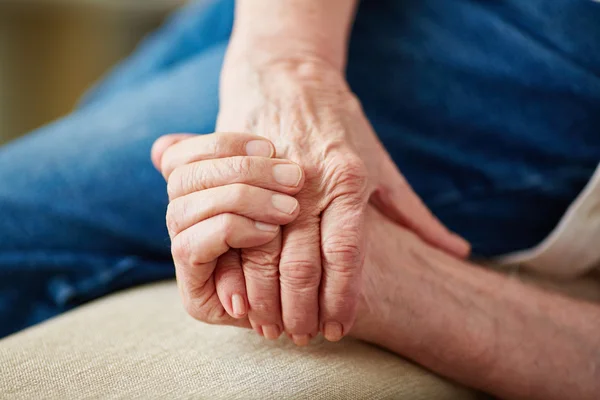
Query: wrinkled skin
[(307, 111)]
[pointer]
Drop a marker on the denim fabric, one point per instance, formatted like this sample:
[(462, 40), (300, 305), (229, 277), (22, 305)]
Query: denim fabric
[(490, 108)]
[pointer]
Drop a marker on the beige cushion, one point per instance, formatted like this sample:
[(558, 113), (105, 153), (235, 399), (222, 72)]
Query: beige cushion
[(140, 344)]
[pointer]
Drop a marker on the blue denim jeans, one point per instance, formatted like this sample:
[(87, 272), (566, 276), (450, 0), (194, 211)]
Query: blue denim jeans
[(490, 108)]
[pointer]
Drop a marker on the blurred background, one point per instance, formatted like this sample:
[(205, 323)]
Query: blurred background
[(52, 50)]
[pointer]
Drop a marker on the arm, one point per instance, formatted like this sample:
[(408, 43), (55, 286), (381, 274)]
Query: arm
[(478, 327), (294, 29), (283, 79), (510, 339)]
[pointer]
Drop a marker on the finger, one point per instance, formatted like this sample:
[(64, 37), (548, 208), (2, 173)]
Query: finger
[(213, 146), (261, 269), (249, 201), (399, 202), (273, 174), (300, 276), (230, 284), (202, 301), (163, 143), (342, 243), (196, 248)]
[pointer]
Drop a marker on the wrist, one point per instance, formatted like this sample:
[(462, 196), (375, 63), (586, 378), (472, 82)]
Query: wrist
[(283, 76), (274, 49)]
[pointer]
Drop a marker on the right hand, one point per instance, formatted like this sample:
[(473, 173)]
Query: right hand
[(307, 110), (224, 196)]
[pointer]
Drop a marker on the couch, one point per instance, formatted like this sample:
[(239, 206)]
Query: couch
[(140, 344)]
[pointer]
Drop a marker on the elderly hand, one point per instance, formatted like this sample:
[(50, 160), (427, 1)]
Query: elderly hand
[(307, 110), (227, 193)]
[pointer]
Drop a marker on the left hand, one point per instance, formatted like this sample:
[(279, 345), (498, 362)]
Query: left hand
[(226, 205), (307, 110)]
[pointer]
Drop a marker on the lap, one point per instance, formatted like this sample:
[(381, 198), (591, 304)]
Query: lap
[(82, 209), (490, 109)]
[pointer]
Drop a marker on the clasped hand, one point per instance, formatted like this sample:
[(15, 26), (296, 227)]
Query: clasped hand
[(267, 231)]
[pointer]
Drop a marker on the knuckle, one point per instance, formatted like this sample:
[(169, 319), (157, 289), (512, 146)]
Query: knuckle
[(260, 265), (240, 195), (208, 312), (181, 249), (195, 177), (343, 253), (262, 306), (228, 224), (213, 146), (260, 259), (241, 166), (185, 179), (339, 294), (173, 217), (261, 273), (194, 308), (300, 275), (340, 307), (174, 184), (185, 253), (349, 174)]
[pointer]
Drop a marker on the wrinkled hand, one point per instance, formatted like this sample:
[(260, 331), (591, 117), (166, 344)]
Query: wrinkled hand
[(307, 110), (227, 193)]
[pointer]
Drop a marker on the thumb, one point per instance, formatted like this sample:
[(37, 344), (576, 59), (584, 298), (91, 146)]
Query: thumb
[(396, 199)]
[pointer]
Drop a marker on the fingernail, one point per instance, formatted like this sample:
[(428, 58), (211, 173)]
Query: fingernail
[(333, 331), (239, 305), (271, 332), (283, 203), (266, 227), (259, 148), (301, 340), (287, 174)]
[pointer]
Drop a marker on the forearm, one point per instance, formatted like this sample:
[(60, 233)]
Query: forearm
[(495, 333), (285, 64), (294, 29)]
